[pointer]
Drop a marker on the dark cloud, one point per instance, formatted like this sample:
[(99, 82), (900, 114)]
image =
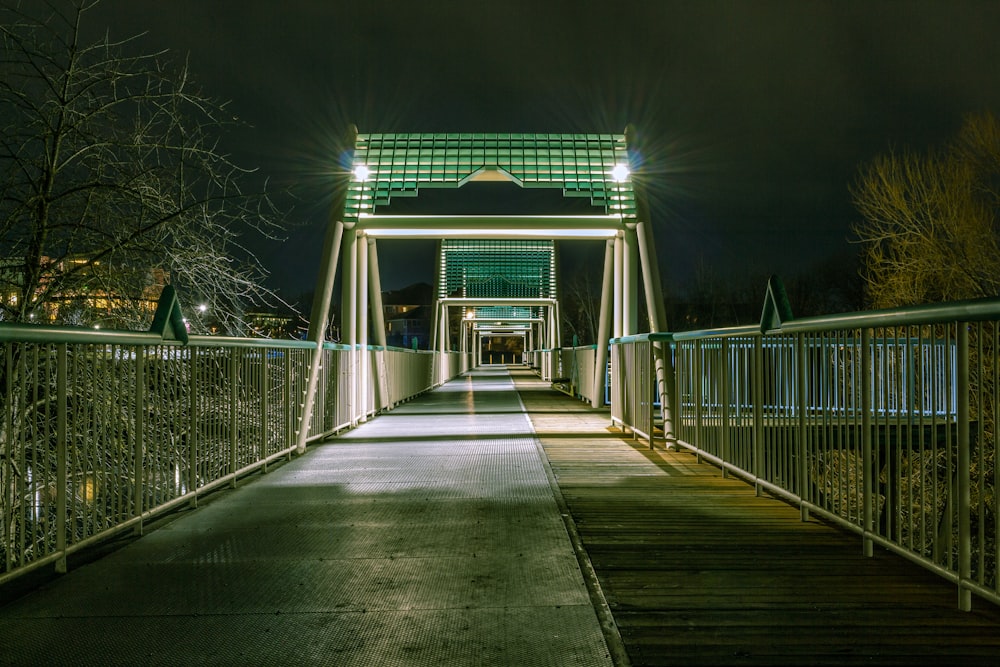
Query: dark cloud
[(758, 114)]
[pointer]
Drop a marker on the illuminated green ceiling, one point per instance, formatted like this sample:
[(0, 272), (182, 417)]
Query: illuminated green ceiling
[(581, 165)]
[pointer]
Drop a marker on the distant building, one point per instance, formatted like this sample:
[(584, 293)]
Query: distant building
[(271, 324), (90, 295), (407, 316)]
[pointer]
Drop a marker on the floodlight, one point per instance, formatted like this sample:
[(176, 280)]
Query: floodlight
[(620, 172), (361, 172)]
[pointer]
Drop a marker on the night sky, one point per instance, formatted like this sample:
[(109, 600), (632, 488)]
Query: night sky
[(755, 115)]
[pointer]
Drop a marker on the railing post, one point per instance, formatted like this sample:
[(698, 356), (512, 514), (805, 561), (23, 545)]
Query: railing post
[(726, 449), (651, 390), (234, 412), (263, 408), (615, 393), (964, 462), (696, 398), (193, 427), (286, 400), (758, 411), (868, 482), (139, 446), (801, 385), (61, 485)]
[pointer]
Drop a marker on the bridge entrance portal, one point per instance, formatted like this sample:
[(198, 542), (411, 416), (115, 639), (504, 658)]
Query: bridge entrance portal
[(494, 273)]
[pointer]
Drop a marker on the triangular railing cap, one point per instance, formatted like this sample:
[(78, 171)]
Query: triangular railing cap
[(168, 321), (777, 309)]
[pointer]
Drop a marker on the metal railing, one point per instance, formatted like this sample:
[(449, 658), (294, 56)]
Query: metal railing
[(630, 408), (101, 431), (570, 367), (882, 422)]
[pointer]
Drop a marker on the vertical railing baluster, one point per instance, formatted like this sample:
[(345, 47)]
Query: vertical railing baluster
[(262, 455), (61, 481), (193, 427), (758, 411), (800, 390), (287, 395), (234, 413), (696, 398), (867, 495), (725, 431), (138, 444), (964, 461), (980, 450)]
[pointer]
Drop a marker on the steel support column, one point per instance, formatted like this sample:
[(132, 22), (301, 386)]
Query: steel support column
[(435, 342), (630, 283), (444, 343), (619, 287), (319, 316), (318, 323), (604, 326), (662, 358), (361, 320), (349, 305), (381, 378)]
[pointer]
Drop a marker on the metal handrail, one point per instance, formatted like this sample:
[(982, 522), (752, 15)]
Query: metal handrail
[(100, 430), (872, 420)]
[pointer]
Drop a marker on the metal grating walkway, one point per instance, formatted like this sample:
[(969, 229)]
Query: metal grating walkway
[(429, 536)]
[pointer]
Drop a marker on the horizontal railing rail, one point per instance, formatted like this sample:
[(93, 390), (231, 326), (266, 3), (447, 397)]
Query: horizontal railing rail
[(883, 422), (102, 430)]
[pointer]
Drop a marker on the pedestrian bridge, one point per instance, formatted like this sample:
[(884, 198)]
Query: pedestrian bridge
[(492, 520), (803, 490)]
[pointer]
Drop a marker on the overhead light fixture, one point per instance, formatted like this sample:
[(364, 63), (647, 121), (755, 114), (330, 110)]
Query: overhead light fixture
[(361, 172), (620, 172)]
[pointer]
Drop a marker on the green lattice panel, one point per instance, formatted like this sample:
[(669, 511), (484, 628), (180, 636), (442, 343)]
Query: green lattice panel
[(400, 164), (506, 313), (495, 268)]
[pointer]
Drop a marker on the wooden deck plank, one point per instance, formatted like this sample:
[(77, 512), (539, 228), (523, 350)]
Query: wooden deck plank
[(699, 570)]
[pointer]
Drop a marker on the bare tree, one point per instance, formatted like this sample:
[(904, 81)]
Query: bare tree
[(929, 226), (580, 307), (110, 169), (930, 233)]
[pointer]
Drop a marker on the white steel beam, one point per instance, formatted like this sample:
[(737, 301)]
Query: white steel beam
[(565, 227), (349, 305), (604, 326), (361, 319)]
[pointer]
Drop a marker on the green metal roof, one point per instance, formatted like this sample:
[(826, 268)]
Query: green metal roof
[(581, 165), (400, 164)]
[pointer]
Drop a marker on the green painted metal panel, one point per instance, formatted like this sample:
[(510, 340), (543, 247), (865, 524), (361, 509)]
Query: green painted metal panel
[(400, 164)]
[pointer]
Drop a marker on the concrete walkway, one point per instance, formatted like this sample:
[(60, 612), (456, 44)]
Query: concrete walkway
[(429, 536)]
